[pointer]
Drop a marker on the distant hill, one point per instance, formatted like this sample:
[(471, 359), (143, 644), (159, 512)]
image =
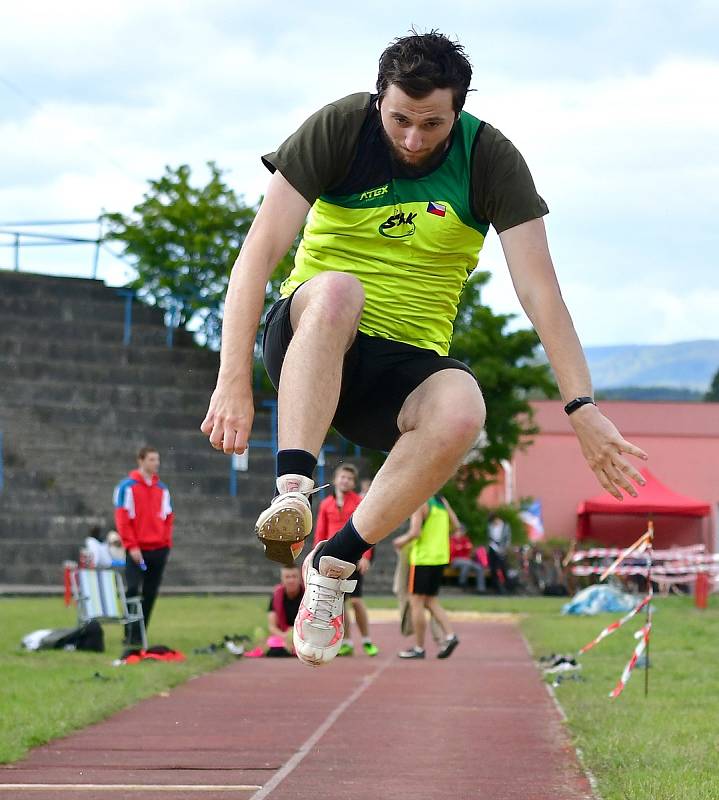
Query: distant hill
[(653, 367), (683, 365), (647, 393)]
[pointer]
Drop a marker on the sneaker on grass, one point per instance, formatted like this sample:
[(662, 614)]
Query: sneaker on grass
[(319, 625)]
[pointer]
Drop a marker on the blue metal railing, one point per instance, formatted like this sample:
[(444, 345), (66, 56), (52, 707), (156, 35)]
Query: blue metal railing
[(240, 464), (19, 238)]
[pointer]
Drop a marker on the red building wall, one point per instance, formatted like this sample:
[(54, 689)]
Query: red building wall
[(681, 439)]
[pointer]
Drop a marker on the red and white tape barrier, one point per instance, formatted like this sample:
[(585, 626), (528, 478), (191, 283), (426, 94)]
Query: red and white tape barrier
[(638, 650), (616, 625)]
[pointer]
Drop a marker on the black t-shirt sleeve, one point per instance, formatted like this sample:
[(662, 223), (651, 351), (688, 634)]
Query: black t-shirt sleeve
[(319, 154), (271, 606), (503, 191)]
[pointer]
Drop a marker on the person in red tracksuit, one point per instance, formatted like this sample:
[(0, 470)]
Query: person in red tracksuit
[(333, 514), (144, 517)]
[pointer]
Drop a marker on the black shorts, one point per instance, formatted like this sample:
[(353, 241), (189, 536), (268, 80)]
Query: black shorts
[(377, 377), (425, 579), (357, 576)]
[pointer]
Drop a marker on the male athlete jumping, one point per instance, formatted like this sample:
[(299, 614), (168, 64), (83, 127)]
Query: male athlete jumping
[(401, 187)]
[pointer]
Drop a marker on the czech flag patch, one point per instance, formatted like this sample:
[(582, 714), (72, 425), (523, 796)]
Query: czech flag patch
[(436, 208)]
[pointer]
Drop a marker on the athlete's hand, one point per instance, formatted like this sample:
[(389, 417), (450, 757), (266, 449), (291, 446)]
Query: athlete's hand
[(363, 565), (135, 554), (602, 445), (229, 418)]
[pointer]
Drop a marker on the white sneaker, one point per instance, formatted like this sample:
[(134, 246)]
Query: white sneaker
[(283, 527), (319, 626)]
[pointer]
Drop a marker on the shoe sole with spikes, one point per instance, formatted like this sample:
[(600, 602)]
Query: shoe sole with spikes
[(283, 527)]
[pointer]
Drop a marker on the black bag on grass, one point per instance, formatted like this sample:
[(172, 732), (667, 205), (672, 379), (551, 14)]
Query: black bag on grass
[(89, 636)]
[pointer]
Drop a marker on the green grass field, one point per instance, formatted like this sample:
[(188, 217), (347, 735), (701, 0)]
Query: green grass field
[(662, 748)]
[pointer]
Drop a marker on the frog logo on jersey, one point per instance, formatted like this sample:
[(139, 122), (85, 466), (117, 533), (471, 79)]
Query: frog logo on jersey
[(372, 193), (398, 226)]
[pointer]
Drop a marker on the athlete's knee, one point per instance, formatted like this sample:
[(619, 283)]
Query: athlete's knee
[(338, 297), (463, 414)]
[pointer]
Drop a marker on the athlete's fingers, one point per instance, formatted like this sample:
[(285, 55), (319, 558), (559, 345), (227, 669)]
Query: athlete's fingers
[(603, 478), (240, 444), (619, 479), (629, 470), (631, 449), (208, 423), (216, 435), (228, 438)]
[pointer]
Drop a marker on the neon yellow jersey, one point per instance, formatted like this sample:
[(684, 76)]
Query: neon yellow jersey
[(431, 548), (411, 242)]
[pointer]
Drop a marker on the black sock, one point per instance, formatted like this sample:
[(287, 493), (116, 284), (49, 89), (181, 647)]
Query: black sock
[(295, 462), (346, 545)]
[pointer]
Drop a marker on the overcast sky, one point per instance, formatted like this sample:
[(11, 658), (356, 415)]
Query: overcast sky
[(613, 104)]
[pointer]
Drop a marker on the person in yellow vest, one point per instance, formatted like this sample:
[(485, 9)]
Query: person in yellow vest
[(428, 540), (401, 186)]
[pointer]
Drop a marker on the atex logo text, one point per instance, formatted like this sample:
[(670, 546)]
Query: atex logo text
[(372, 193)]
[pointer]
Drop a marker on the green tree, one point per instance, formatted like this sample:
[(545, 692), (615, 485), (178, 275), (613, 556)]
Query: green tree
[(504, 364), (712, 396), (183, 241)]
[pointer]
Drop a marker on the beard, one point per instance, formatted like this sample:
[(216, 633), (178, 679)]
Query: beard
[(415, 168)]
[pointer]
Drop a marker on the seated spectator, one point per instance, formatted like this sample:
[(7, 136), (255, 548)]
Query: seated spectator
[(284, 605), (461, 558)]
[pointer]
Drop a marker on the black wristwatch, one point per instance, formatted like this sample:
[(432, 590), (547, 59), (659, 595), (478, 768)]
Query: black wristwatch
[(578, 402)]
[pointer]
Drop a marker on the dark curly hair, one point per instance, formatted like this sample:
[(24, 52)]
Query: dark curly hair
[(422, 62)]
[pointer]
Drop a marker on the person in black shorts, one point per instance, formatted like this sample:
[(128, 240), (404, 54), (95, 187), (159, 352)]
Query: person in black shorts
[(428, 541), (401, 186)]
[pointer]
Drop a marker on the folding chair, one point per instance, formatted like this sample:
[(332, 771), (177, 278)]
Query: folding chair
[(100, 595)]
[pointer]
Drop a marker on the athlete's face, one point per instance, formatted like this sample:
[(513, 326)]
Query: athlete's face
[(417, 130)]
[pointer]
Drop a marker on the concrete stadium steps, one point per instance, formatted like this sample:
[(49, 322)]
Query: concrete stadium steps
[(22, 431), (80, 394), (70, 308), (76, 404), (174, 460), (67, 348), (116, 374), (27, 284), (99, 331), (105, 418)]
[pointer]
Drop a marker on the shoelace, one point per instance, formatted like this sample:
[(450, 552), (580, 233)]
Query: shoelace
[(322, 600), (297, 491)]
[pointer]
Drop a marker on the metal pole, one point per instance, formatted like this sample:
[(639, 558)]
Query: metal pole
[(17, 252), (2, 461), (96, 259), (127, 333), (321, 468), (233, 478), (272, 405), (650, 558)]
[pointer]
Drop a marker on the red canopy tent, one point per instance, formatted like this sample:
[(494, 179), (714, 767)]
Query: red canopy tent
[(678, 520)]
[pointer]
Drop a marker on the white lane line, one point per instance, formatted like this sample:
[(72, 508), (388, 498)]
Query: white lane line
[(593, 783), (307, 746), (128, 787)]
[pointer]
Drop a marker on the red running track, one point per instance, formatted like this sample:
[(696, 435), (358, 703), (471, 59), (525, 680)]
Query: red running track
[(479, 725)]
